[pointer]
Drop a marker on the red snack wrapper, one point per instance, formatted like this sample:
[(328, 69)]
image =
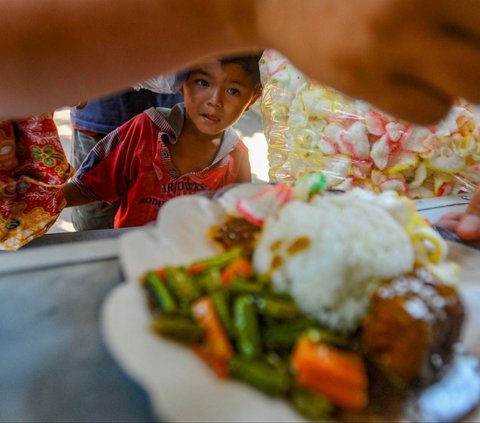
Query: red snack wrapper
[(33, 167)]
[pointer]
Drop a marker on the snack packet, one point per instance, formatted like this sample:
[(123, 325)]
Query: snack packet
[(33, 167), (310, 127)]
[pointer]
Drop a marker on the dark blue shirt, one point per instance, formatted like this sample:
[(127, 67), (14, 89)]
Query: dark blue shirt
[(105, 114)]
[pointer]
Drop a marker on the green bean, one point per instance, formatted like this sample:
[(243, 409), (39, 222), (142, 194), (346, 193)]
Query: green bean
[(239, 285), (277, 360), (162, 296), (260, 375), (311, 405), (276, 307), (185, 289), (179, 328), (209, 279), (220, 302), (221, 260), (283, 335), (322, 335), (247, 330), (264, 279)]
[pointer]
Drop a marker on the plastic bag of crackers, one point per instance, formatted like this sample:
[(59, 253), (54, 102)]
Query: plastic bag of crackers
[(33, 167), (310, 127)]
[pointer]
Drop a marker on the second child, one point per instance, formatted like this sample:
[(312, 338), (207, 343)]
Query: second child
[(164, 153)]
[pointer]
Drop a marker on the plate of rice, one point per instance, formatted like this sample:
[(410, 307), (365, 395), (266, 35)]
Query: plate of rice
[(349, 262)]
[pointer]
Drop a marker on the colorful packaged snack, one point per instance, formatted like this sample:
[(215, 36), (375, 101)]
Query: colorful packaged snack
[(310, 127)]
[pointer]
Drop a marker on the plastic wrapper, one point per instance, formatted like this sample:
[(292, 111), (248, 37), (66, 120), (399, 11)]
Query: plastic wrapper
[(310, 127), (33, 167)]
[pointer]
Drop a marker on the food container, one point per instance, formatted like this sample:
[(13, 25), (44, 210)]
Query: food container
[(310, 127)]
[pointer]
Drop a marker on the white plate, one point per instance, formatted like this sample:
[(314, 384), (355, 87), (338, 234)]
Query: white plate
[(181, 387)]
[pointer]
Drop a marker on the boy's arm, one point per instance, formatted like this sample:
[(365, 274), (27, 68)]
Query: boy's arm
[(245, 171), (408, 57), (74, 196)]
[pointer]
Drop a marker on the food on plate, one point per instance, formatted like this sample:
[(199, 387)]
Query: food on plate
[(429, 317), (331, 272), (236, 231), (315, 296)]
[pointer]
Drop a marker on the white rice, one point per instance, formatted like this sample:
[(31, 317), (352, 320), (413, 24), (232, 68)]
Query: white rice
[(353, 246)]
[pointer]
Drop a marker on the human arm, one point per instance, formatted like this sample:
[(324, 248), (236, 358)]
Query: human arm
[(74, 196), (245, 171), (408, 57), (465, 224)]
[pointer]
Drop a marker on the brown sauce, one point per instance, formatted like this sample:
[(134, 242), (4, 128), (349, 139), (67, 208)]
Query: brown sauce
[(236, 231), (298, 245), (277, 262), (276, 246)]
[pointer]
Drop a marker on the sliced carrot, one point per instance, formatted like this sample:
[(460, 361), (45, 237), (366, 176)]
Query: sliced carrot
[(161, 273), (196, 268), (216, 340), (325, 369), (239, 267), (219, 366), (344, 396), (337, 364)]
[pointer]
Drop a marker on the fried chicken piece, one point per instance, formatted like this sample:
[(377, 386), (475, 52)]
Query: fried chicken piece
[(412, 325)]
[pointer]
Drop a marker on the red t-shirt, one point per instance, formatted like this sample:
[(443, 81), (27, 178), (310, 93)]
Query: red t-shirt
[(133, 164)]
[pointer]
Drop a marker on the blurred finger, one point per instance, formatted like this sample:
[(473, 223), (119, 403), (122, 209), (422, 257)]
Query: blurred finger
[(474, 205), (447, 223), (453, 215), (412, 99), (469, 227), (450, 65), (461, 19)]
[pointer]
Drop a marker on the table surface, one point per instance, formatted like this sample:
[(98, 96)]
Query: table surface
[(54, 365)]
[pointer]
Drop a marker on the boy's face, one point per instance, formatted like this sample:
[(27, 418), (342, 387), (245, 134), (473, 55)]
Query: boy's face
[(216, 95)]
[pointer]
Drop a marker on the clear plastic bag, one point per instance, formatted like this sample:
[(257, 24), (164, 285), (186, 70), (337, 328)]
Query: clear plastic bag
[(310, 127)]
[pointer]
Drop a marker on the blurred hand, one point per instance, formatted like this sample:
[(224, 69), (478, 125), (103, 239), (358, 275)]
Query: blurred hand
[(410, 58), (466, 225)]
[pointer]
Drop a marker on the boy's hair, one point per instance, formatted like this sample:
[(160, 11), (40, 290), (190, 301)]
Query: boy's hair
[(249, 64)]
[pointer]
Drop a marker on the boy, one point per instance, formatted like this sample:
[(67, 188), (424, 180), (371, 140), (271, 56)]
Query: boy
[(164, 153)]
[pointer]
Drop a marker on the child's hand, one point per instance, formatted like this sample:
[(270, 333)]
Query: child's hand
[(467, 224)]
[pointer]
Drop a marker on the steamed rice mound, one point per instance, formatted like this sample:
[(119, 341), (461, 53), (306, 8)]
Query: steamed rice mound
[(331, 254)]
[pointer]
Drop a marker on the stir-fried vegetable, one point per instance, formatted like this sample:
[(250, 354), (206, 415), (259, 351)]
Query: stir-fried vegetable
[(243, 330), (339, 375)]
